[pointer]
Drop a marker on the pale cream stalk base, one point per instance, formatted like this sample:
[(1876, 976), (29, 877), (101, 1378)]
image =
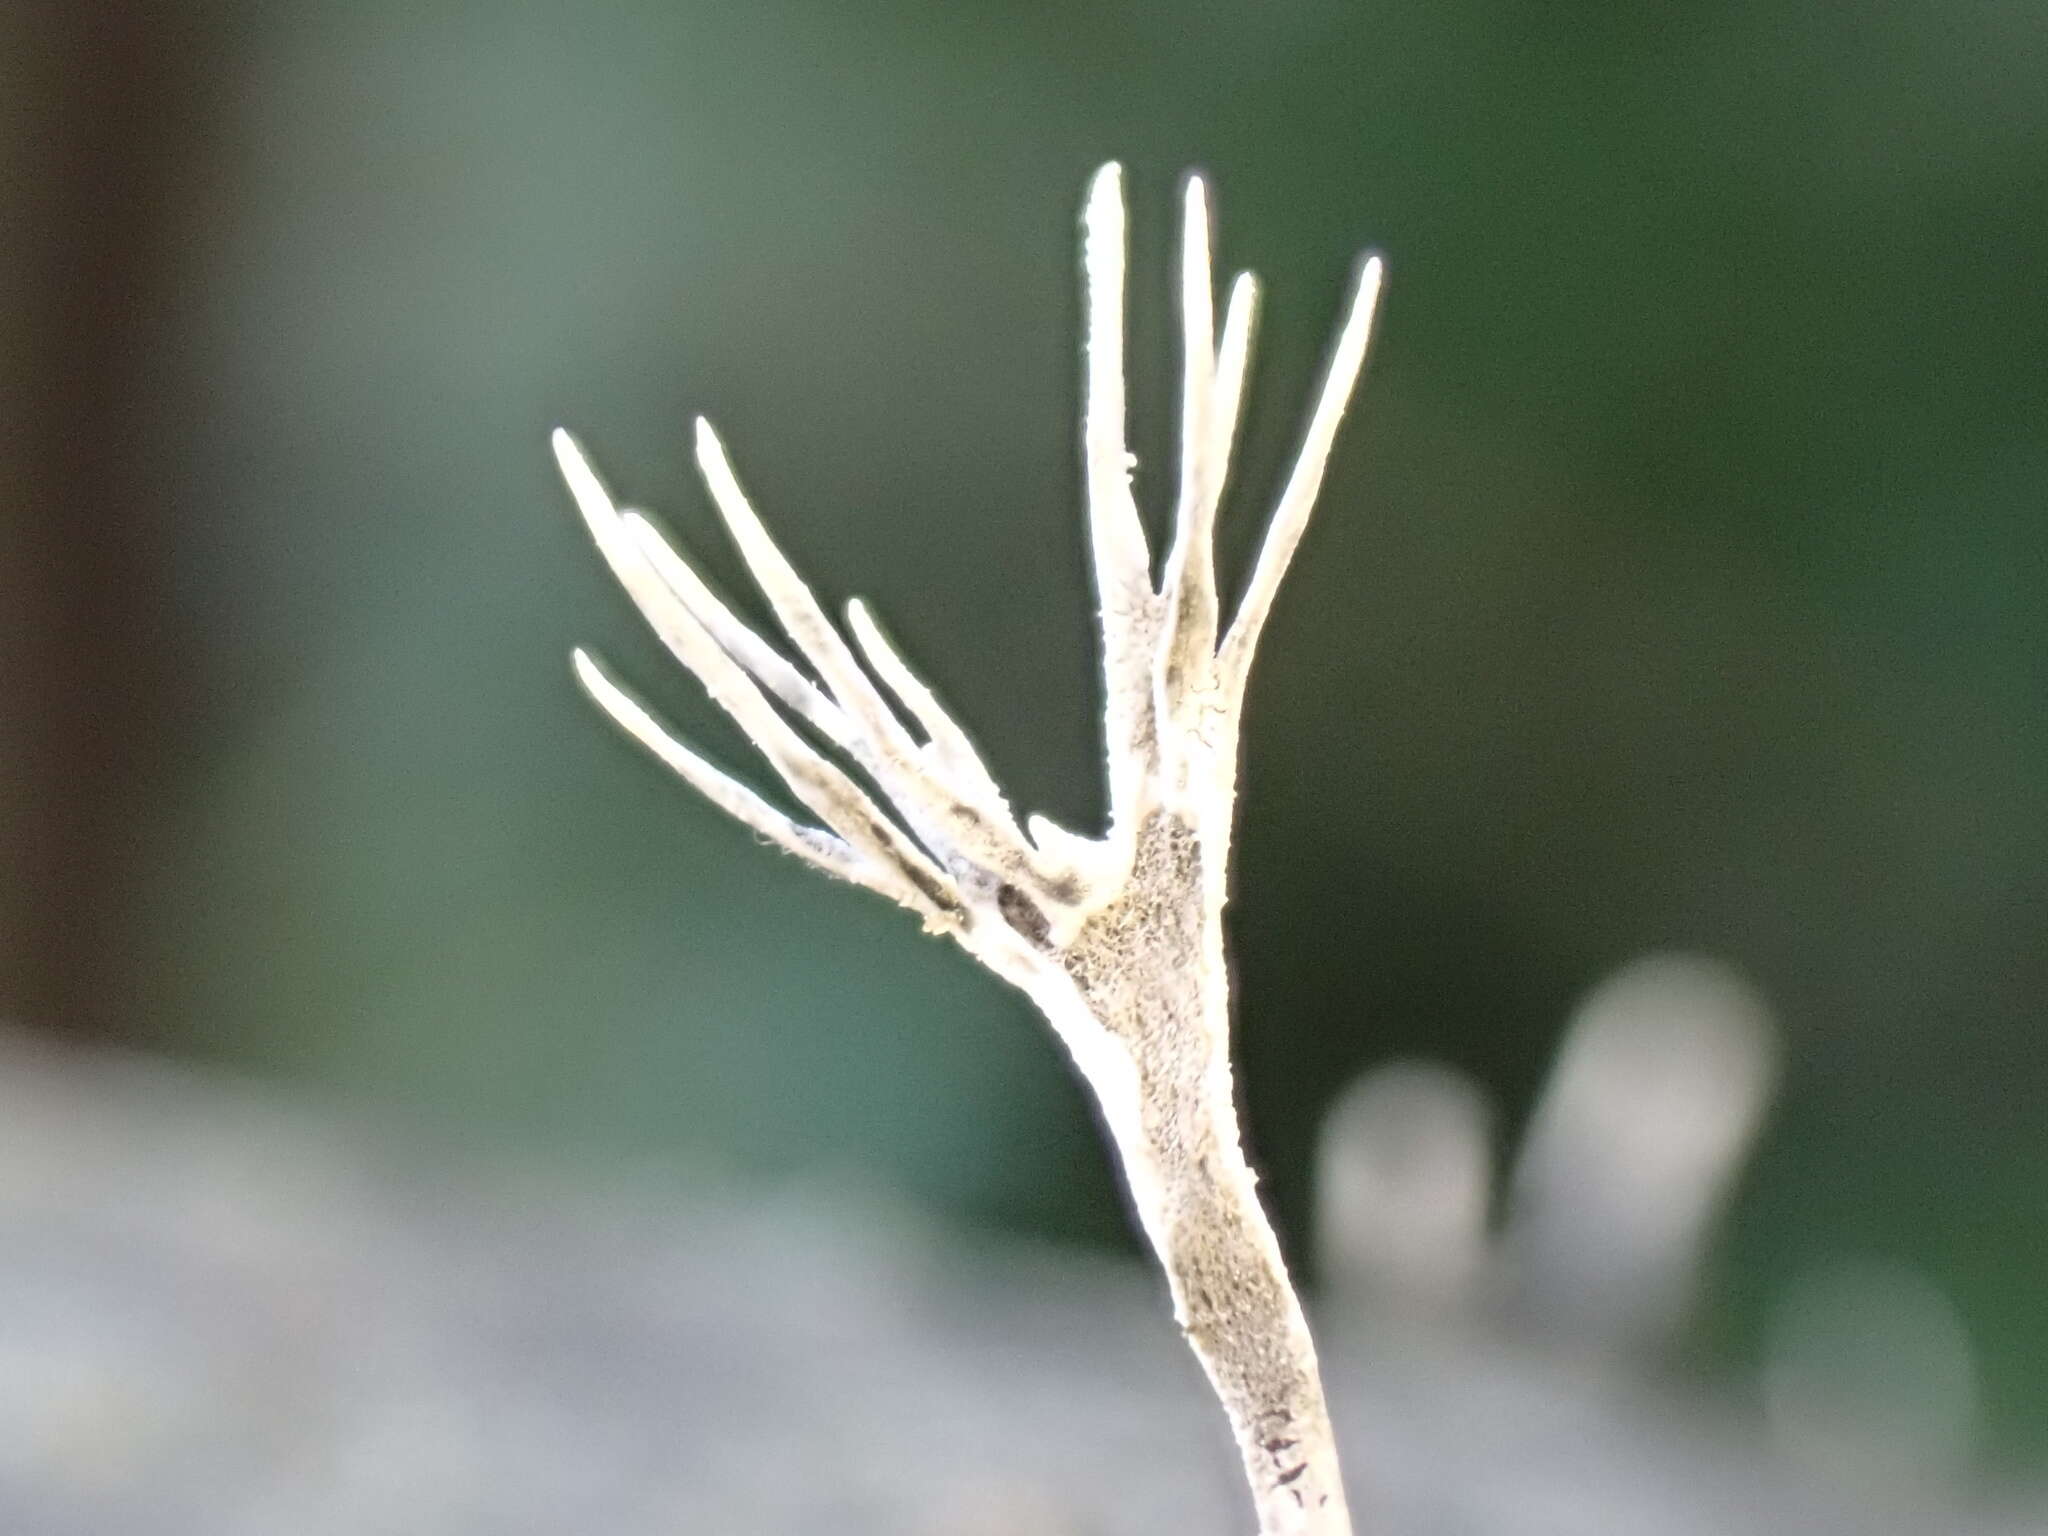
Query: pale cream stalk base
[(1118, 939)]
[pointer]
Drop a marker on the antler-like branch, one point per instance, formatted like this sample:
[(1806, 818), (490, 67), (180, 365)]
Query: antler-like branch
[(885, 859), (1290, 517), (1119, 941)]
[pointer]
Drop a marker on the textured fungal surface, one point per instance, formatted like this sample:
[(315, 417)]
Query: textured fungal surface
[(1117, 938)]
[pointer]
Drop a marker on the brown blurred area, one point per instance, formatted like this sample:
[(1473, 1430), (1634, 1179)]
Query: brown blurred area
[(104, 111)]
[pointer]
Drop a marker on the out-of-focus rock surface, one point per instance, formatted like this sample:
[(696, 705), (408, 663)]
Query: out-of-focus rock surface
[(226, 1313)]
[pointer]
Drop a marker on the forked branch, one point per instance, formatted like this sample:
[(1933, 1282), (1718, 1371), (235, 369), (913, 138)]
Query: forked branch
[(1118, 939)]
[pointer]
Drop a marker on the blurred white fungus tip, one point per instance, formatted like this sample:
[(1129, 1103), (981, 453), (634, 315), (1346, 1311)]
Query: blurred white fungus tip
[(1870, 1376), (1650, 1112), (1404, 1188)]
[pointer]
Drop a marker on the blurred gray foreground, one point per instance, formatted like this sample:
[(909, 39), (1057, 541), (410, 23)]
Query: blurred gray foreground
[(224, 1312)]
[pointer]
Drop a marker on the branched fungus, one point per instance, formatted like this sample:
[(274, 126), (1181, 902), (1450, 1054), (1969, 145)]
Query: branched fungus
[(1117, 939)]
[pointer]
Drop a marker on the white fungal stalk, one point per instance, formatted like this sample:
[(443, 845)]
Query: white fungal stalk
[(1118, 939)]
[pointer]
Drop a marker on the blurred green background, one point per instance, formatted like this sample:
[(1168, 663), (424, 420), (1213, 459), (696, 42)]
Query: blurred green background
[(1678, 580)]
